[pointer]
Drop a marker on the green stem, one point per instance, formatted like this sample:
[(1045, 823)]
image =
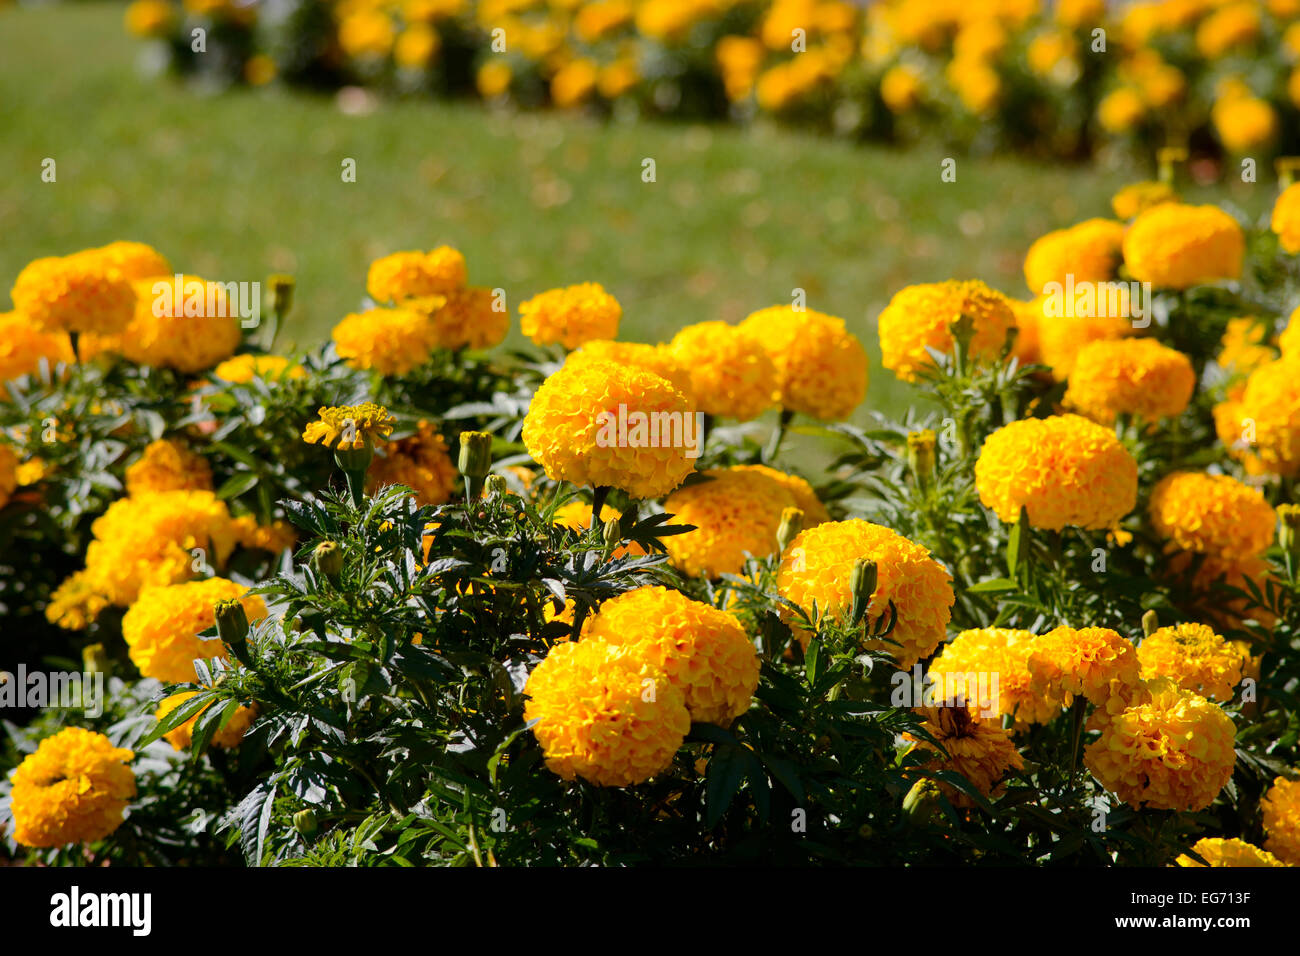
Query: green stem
[(778, 435)]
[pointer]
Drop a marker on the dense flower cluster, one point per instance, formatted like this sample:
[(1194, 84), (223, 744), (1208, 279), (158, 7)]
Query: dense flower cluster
[(1195, 658), (73, 789), (735, 512)]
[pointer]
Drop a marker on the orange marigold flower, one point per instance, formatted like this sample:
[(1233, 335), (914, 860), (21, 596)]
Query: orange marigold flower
[(1130, 377), (921, 316), (1174, 246), (1089, 251), (978, 749), (732, 375), (1281, 809), (1195, 657), (1233, 853), (994, 653), (421, 462), (227, 737), (168, 466), (1212, 514), (570, 316), (74, 294), (821, 367), (735, 513), (73, 789), (408, 275)]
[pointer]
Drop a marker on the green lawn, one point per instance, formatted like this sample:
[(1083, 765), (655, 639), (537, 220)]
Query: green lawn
[(237, 185)]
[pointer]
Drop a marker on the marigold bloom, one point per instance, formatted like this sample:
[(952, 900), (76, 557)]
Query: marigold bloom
[(572, 425), (821, 368), (8, 473), (409, 275), (161, 628), (978, 749), (805, 499), (658, 359), (463, 318), (704, 652), (1061, 337), (1266, 418), (23, 345), (275, 537), (735, 512), (1233, 853), (1281, 809), (1092, 662), (1195, 658), (818, 565), (1175, 246), (1244, 123), (1172, 751), (1136, 198), (605, 713), (570, 316), (732, 375), (73, 293), (186, 324), (130, 260), (149, 18), (1064, 470), (1121, 110), (420, 462), (244, 368), (228, 737), (1245, 348), (1231, 25), (1089, 251), (389, 341), (1286, 218), (350, 426), (1131, 377), (921, 316), (1212, 514), (1000, 651), (168, 466), (73, 789)]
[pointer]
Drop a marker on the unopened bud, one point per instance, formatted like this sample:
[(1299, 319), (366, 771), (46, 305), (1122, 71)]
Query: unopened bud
[(232, 622), (328, 558), (475, 453), (613, 533), (304, 821), (920, 456), (1288, 526), (921, 802), (1150, 623), (791, 525), (495, 486), (862, 580), (94, 659), (281, 287)]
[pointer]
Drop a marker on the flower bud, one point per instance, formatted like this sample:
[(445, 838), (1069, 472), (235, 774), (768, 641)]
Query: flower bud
[(304, 821), (1166, 157), (232, 622), (94, 659), (862, 580), (494, 486), (1150, 623), (1288, 527), (475, 453), (328, 558), (791, 525), (921, 802), (613, 534), (281, 287), (920, 457)]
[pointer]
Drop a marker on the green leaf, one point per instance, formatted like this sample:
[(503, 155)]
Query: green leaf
[(993, 585), (721, 781), (237, 484)]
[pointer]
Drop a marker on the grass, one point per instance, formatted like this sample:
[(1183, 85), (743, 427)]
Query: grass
[(237, 185)]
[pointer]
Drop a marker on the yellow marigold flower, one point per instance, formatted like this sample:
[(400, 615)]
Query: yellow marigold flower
[(979, 654), (1244, 345), (658, 359), (605, 713), (1027, 349), (1089, 251), (976, 84), (76, 603), (618, 78), (1173, 751), (389, 341), (1064, 470), (1212, 514), (735, 512), (493, 79), (1080, 13), (31, 472), (1286, 218), (366, 34), (187, 324), (978, 749), (73, 789), (1231, 25), (1092, 662), (416, 47), (152, 540), (275, 537), (1121, 110), (574, 82), (1175, 246), (130, 260), (420, 462), (1195, 657), (1267, 417), (350, 426), (901, 88), (818, 565), (1131, 377), (921, 316), (739, 60), (409, 275), (463, 318), (1052, 55), (1234, 853), (572, 426), (168, 466), (1136, 198), (1061, 337), (1281, 809), (73, 294), (805, 499), (23, 345), (821, 367), (732, 374), (244, 368), (149, 18), (228, 737), (161, 628), (600, 18), (704, 652), (571, 316), (8, 473), (1244, 122)]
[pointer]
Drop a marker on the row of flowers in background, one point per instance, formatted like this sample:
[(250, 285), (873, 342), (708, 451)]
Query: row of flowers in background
[(710, 637), (1055, 78)]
